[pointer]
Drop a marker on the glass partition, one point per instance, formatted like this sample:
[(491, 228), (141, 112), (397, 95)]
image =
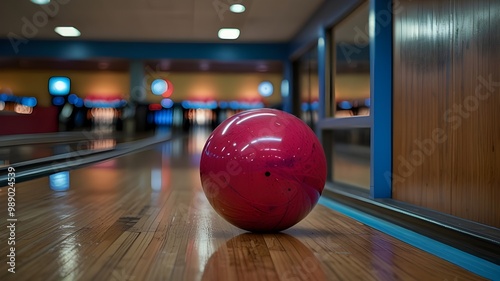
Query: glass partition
[(346, 128), (350, 154), (350, 79), (308, 86)]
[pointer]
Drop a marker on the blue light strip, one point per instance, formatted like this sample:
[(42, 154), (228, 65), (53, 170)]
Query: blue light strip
[(467, 261)]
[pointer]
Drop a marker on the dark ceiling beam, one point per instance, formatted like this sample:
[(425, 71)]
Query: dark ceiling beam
[(81, 50)]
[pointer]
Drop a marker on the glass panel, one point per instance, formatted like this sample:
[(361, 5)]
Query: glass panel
[(304, 87), (351, 157), (351, 64), (309, 87), (313, 86)]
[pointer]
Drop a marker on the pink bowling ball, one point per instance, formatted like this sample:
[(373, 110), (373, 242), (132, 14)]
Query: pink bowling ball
[(263, 170)]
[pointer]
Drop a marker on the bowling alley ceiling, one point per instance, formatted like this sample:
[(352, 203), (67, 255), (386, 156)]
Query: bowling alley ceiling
[(157, 20)]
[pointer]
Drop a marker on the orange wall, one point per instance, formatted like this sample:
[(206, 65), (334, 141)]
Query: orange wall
[(34, 83), (352, 86), (220, 86)]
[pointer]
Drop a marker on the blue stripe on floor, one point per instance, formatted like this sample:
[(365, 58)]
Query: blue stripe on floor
[(467, 261)]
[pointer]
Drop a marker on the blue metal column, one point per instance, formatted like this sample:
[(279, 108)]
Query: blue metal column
[(137, 81), (137, 95), (322, 73), (286, 86), (380, 21)]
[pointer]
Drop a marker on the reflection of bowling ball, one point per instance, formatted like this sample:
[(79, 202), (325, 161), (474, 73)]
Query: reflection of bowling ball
[(252, 256), (263, 170)]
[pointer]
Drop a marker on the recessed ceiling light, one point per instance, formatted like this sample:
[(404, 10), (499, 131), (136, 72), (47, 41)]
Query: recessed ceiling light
[(237, 8), (229, 33), (41, 2), (67, 31)]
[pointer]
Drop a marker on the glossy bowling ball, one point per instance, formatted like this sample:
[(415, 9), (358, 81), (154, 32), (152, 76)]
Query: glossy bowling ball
[(263, 170)]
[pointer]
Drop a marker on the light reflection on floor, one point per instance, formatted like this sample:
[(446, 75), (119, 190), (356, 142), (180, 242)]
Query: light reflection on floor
[(198, 138)]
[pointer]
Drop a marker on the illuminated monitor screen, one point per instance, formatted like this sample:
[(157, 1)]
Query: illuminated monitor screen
[(59, 86)]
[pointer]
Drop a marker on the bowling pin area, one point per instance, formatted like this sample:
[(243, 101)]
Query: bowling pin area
[(144, 216)]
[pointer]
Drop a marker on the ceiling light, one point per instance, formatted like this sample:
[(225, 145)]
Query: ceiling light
[(40, 2), (67, 31), (229, 33), (237, 8)]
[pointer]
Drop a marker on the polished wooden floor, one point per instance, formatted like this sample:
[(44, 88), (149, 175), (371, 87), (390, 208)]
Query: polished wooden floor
[(145, 217)]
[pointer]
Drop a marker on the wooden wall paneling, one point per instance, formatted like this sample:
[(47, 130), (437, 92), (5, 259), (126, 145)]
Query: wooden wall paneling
[(446, 132)]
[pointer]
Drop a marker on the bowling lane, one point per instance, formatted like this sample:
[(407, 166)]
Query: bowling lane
[(12, 154), (22, 153), (144, 216)]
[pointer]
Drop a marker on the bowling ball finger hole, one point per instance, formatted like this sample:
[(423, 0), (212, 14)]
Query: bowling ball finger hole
[(267, 173)]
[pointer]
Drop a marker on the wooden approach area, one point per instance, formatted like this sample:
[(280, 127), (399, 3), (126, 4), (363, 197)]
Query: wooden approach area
[(144, 217)]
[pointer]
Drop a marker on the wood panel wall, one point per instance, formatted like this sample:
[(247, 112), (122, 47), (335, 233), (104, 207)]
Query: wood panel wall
[(446, 107)]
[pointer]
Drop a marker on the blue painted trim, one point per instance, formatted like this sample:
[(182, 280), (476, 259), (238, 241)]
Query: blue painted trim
[(380, 20), (470, 262), (71, 49)]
